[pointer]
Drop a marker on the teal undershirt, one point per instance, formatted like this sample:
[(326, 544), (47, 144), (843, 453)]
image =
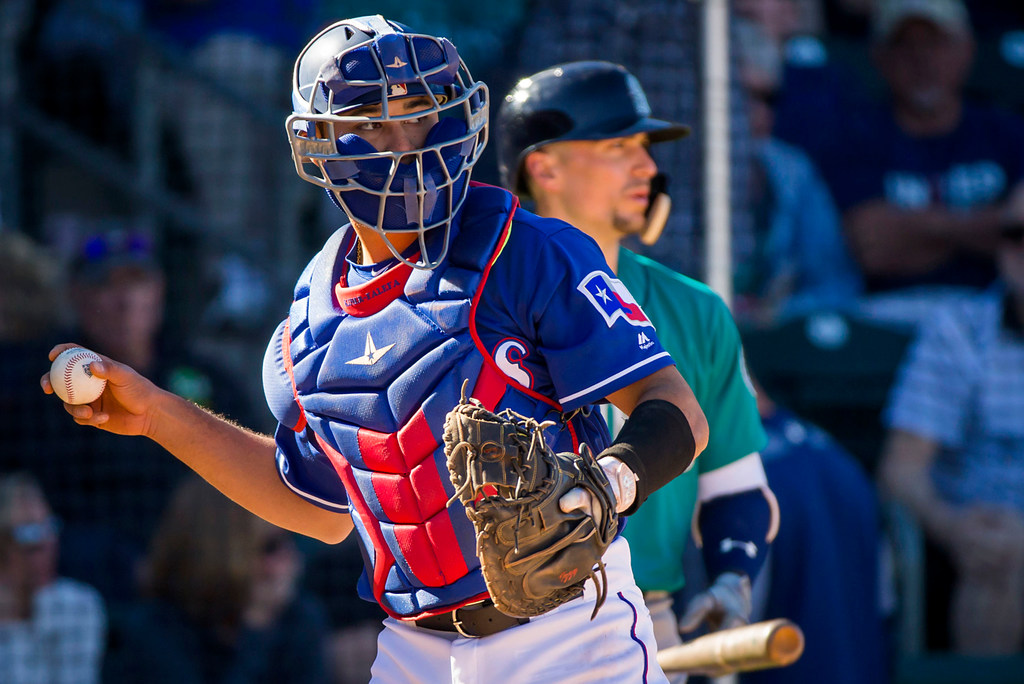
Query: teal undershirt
[(694, 325)]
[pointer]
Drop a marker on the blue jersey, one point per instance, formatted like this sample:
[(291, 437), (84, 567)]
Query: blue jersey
[(362, 373)]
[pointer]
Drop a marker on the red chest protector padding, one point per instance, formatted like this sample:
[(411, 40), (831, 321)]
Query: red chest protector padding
[(375, 370)]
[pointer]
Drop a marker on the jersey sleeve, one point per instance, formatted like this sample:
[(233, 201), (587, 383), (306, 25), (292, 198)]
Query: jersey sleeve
[(728, 399), (302, 467), (697, 329), (591, 331), (307, 472)]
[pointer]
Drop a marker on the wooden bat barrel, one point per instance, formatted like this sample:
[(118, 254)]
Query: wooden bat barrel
[(772, 643)]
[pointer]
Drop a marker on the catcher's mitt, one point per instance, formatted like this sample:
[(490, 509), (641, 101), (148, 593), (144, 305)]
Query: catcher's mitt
[(534, 557)]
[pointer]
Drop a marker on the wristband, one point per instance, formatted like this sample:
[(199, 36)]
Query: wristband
[(656, 443)]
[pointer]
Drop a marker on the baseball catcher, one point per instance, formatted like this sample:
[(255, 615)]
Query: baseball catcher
[(534, 556), (434, 280)]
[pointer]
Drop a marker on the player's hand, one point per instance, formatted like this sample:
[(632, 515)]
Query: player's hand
[(622, 480), (725, 604), (126, 402)]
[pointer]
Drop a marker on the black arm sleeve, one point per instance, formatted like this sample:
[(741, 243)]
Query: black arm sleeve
[(656, 443)]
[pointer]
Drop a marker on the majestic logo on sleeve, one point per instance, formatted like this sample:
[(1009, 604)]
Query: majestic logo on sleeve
[(508, 355), (611, 298), (747, 547)]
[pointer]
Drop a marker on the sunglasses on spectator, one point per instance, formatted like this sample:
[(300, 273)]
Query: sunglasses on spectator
[(1013, 232), (32, 534), (100, 247)]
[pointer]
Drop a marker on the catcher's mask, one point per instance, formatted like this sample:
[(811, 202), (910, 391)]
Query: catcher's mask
[(587, 100), (372, 61)]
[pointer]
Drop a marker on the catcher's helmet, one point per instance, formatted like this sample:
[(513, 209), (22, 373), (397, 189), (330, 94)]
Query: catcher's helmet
[(366, 61), (588, 100)]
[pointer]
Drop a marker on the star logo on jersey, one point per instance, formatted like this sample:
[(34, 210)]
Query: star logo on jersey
[(372, 354), (397, 64), (611, 298)]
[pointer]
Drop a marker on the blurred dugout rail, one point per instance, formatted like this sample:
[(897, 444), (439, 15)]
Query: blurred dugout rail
[(833, 369)]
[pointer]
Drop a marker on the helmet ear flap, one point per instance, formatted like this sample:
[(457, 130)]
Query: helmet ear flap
[(524, 131)]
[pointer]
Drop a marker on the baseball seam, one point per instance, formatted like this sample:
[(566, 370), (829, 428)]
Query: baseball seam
[(69, 370)]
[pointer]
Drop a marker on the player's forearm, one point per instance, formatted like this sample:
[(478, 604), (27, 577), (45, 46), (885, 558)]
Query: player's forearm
[(667, 385), (906, 477), (888, 240), (240, 463), (661, 438)]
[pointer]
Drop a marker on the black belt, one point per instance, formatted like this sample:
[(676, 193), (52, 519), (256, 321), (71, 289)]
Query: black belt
[(475, 620)]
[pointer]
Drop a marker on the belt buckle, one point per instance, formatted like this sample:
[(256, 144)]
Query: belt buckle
[(457, 623)]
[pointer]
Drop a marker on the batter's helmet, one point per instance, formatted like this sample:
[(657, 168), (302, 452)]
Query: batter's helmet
[(367, 61), (588, 100)]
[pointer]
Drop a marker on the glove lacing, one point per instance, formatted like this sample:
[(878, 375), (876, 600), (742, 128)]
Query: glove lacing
[(528, 434)]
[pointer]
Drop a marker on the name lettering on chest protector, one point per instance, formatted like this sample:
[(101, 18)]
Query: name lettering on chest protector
[(508, 355), (368, 294)]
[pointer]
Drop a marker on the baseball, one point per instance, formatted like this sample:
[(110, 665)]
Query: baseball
[(71, 378)]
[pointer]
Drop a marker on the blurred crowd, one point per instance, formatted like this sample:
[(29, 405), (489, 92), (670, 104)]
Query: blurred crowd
[(150, 212)]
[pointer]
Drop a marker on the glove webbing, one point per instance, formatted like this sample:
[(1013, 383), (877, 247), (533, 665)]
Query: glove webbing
[(528, 435)]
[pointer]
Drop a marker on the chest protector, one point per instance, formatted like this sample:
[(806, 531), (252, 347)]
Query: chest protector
[(376, 368)]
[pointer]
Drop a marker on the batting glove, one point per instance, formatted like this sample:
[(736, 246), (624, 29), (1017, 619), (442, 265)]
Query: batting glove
[(623, 482), (726, 604)]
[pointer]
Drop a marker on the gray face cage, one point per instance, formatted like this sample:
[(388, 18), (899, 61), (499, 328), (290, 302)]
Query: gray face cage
[(416, 191)]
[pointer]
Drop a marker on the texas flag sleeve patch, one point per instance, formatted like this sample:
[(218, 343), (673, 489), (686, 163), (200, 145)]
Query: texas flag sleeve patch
[(611, 298)]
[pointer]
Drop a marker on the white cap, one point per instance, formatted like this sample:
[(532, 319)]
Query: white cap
[(949, 15)]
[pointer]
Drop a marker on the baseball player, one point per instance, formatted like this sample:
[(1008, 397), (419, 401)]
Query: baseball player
[(434, 282), (574, 138)]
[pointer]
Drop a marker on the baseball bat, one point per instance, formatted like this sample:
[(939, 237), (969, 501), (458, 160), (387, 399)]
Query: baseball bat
[(772, 643)]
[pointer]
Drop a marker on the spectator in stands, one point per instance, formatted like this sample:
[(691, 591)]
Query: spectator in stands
[(820, 79), (659, 42), (29, 278), (223, 603), (30, 317), (953, 458), (52, 629), (109, 491), (800, 261), (850, 19), (824, 569), (118, 293), (925, 181)]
